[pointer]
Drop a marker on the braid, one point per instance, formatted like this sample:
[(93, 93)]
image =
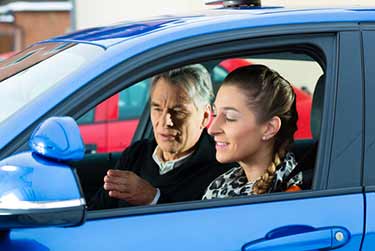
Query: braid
[(263, 183)]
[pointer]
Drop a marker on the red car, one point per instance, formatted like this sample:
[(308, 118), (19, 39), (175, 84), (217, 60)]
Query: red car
[(107, 128)]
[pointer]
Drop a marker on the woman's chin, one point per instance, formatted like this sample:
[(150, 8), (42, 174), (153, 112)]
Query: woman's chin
[(223, 159)]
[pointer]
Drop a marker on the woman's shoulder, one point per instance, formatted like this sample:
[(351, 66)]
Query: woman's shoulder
[(223, 184), (282, 178)]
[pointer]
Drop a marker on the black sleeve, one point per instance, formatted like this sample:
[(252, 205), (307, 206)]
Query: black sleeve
[(101, 199), (164, 198)]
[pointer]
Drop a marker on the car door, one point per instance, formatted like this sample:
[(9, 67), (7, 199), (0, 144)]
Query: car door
[(369, 174), (329, 215)]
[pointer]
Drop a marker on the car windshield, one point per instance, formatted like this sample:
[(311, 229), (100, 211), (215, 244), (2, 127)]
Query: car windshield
[(29, 74)]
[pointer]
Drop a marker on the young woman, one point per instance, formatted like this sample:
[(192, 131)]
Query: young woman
[(255, 118)]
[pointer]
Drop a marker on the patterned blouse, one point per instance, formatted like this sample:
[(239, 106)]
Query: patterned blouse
[(234, 182)]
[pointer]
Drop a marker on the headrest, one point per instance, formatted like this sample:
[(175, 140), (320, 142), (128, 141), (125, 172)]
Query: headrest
[(317, 108)]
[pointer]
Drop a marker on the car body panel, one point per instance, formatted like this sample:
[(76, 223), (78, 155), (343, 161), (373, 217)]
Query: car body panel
[(193, 230), (369, 237)]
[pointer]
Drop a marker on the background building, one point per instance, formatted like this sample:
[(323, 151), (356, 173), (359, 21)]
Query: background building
[(26, 22), (90, 13)]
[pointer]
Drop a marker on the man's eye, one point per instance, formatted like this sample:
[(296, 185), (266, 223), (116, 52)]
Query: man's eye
[(157, 109), (180, 114)]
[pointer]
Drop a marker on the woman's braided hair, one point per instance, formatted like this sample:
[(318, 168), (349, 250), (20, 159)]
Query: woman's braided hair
[(269, 95)]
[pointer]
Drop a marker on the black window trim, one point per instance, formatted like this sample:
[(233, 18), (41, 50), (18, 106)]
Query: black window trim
[(346, 164), (368, 32)]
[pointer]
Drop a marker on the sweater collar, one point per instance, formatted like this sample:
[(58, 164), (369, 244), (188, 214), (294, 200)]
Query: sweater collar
[(166, 166), (204, 151)]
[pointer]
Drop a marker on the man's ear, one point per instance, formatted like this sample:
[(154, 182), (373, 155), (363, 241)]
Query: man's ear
[(272, 127), (206, 116)]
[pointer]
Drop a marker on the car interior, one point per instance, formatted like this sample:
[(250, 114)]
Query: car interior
[(92, 169)]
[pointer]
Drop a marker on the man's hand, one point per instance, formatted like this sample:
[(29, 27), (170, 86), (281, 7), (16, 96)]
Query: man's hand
[(126, 185)]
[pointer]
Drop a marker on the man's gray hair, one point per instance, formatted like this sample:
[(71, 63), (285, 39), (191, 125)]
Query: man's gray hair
[(195, 79)]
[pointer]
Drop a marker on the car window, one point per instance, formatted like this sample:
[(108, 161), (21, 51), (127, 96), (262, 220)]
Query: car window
[(114, 135), (87, 118), (110, 126), (132, 100), (300, 70), (29, 74)]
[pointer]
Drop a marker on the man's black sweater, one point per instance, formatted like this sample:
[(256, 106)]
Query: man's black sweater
[(184, 183)]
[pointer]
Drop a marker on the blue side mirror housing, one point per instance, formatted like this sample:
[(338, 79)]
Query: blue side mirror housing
[(37, 187), (58, 138)]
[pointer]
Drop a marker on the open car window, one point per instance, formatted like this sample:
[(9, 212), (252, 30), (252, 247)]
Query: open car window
[(108, 128)]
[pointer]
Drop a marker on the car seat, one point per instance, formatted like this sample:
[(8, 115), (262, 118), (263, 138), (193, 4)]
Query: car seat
[(306, 163)]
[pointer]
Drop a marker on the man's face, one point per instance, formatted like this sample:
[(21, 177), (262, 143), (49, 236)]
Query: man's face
[(176, 121)]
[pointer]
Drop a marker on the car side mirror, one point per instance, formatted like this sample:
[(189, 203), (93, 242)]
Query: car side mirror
[(58, 138), (37, 187)]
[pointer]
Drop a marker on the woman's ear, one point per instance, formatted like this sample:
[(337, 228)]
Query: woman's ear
[(272, 127), (206, 116)]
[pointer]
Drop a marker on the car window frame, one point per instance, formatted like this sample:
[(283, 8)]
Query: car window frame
[(195, 50), (368, 37), (232, 201), (348, 138)]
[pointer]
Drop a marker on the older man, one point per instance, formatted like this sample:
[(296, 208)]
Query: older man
[(180, 163)]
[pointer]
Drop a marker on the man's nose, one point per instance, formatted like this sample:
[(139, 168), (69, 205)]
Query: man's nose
[(167, 119)]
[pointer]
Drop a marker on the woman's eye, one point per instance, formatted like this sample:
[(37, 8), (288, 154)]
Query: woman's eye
[(229, 119)]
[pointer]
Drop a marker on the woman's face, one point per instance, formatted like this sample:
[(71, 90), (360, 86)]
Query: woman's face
[(237, 133)]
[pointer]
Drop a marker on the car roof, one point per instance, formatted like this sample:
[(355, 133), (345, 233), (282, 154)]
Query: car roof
[(216, 21)]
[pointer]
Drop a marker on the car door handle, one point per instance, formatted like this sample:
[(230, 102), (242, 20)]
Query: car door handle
[(300, 237)]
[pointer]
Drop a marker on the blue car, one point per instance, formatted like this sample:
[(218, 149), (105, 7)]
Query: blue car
[(46, 176)]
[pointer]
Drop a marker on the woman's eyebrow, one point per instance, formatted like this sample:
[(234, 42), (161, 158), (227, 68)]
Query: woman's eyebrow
[(229, 108)]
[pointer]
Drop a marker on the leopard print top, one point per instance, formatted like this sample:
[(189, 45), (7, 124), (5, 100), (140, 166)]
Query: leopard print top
[(234, 182)]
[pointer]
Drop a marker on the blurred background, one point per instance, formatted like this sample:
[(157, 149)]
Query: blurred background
[(25, 22)]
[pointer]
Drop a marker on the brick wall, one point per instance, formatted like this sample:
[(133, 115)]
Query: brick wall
[(7, 32), (41, 25)]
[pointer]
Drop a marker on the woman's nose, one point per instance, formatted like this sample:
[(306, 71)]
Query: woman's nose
[(214, 128)]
